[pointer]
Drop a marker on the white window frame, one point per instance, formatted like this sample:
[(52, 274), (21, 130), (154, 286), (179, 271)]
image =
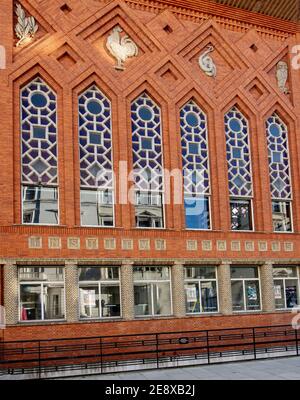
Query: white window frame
[(199, 281), (244, 281), (110, 282), (113, 205), (290, 201), (41, 284), (250, 199), (151, 282)]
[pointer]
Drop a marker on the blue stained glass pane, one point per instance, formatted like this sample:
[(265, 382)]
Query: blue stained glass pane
[(39, 100), (147, 144), (145, 113), (39, 132), (235, 125), (192, 119), (275, 130), (95, 138)]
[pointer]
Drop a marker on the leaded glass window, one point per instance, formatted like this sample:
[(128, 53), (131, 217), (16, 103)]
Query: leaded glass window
[(195, 160), (279, 168), (96, 159), (239, 169), (39, 153), (147, 162)]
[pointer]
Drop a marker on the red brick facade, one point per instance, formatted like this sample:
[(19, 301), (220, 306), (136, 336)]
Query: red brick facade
[(69, 54)]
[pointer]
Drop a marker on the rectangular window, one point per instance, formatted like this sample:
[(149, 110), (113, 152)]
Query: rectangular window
[(241, 215), (281, 214), (197, 213), (40, 205), (97, 208), (99, 289), (42, 293), (286, 287), (149, 210), (152, 291), (245, 287), (201, 294)]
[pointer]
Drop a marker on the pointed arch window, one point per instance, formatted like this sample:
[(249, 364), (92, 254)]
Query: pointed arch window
[(195, 161), (39, 159), (280, 178), (147, 162), (239, 169), (96, 159)]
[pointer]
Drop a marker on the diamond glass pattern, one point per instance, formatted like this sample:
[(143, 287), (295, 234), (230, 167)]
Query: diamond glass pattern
[(146, 128), (39, 134), (279, 167), (238, 154), (194, 147), (95, 140)]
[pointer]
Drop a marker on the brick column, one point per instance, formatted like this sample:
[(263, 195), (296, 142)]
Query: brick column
[(127, 293), (72, 290), (11, 291), (267, 287), (178, 294), (224, 284)]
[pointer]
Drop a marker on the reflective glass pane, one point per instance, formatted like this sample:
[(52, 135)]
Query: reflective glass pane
[(150, 273), (96, 208), (89, 301), (40, 205), (237, 295), (53, 274), (209, 297), (192, 297), (279, 294), (292, 293), (30, 302), (110, 301), (200, 272), (281, 214), (241, 219), (244, 272), (142, 299), (285, 272), (197, 213), (162, 298), (252, 295), (98, 273), (149, 210), (54, 301)]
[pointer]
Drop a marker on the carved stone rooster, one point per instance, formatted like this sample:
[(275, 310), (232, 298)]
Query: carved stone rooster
[(121, 47)]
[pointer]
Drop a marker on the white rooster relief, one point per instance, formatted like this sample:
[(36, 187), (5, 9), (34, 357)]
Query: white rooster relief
[(121, 47)]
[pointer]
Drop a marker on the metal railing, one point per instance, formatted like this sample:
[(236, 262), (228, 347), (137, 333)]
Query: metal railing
[(107, 354)]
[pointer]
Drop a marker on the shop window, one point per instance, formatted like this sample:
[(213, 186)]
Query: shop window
[(201, 293), (245, 287), (99, 292), (152, 291), (42, 293)]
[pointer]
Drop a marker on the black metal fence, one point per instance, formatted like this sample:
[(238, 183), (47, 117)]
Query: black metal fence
[(107, 354)]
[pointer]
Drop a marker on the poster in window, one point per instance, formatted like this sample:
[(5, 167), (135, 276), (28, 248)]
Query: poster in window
[(291, 296), (252, 292), (191, 293), (278, 293), (89, 298)]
